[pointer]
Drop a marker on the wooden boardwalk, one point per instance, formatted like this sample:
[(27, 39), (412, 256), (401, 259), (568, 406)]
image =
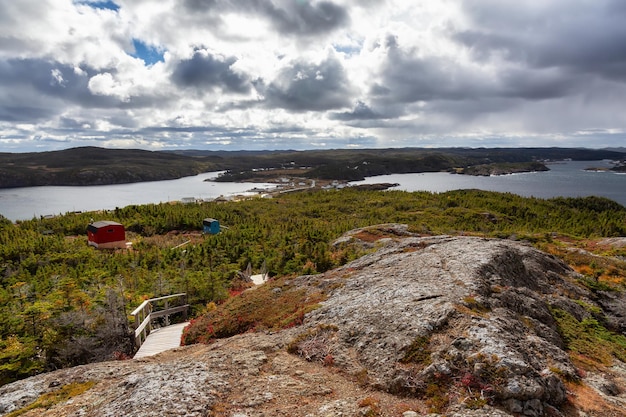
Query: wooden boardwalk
[(162, 339)]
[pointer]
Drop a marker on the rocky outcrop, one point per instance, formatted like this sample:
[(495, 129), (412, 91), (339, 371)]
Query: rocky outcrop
[(461, 325), (477, 305)]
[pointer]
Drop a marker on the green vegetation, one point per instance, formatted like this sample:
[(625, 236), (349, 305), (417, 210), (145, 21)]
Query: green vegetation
[(589, 338), (63, 303)]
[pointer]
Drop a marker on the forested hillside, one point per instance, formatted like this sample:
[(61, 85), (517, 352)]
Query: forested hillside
[(98, 166), (63, 303)]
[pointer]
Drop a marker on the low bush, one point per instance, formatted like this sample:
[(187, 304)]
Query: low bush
[(277, 304)]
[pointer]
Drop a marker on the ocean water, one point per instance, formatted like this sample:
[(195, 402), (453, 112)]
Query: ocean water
[(567, 179)]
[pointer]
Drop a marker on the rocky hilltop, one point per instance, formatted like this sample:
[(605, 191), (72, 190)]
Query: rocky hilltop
[(455, 326)]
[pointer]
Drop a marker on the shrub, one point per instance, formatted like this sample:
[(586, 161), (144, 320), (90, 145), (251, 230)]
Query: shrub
[(589, 338), (315, 345), (274, 305), (371, 406)]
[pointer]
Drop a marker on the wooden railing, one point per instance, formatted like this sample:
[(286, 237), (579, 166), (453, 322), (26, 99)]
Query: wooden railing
[(144, 314)]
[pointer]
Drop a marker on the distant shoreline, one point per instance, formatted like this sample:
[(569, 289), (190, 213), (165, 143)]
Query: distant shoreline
[(90, 166)]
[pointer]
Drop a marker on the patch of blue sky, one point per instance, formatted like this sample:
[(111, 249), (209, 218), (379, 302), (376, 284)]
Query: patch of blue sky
[(149, 54), (348, 49), (99, 4)]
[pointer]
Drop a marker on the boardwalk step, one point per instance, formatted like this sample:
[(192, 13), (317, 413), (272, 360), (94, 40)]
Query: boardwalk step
[(162, 339)]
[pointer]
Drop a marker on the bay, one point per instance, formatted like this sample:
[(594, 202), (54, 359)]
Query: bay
[(565, 179), (28, 202)]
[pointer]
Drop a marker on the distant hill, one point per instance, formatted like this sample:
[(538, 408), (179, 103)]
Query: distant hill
[(620, 149), (95, 166), (99, 166)]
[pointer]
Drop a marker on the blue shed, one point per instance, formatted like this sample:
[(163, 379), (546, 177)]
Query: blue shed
[(211, 226)]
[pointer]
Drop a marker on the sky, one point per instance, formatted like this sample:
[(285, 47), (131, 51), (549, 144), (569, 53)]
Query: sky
[(307, 74)]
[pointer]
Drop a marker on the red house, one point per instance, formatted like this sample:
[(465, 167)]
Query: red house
[(106, 235)]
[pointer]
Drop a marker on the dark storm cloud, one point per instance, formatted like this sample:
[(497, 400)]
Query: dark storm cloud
[(535, 85), (204, 70), (24, 112), (199, 6), (303, 17), (36, 89), (360, 112), (579, 37), (33, 89), (70, 123), (408, 78), (315, 87), (288, 17), (52, 79)]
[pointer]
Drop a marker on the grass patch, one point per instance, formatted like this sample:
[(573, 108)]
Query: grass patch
[(50, 399)]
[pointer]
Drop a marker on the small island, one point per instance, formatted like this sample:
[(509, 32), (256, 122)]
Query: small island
[(619, 167), (501, 168)]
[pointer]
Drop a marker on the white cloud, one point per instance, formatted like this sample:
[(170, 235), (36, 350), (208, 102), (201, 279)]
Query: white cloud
[(105, 85), (250, 74)]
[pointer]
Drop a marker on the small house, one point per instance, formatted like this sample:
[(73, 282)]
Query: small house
[(106, 235), (210, 226)]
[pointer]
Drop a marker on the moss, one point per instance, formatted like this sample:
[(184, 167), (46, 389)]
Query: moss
[(473, 304), (475, 402), (596, 285), (593, 309), (50, 399), (418, 351), (437, 394)]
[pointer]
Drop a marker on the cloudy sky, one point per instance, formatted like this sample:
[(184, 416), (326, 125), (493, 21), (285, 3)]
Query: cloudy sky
[(311, 74)]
